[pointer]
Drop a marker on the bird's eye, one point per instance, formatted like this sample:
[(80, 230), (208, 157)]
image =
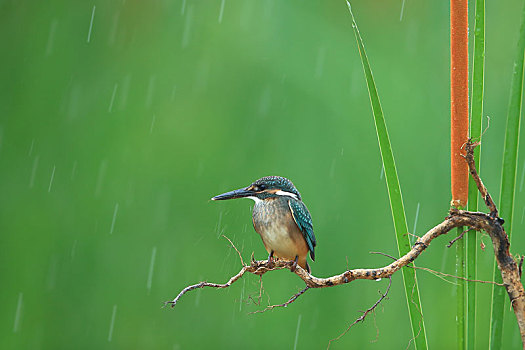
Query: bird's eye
[(261, 187)]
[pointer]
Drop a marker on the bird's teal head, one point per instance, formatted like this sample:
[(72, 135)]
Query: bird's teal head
[(264, 188)]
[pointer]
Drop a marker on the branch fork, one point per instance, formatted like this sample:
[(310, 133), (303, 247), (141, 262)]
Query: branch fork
[(490, 223)]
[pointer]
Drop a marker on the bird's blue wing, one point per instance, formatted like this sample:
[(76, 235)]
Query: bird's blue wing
[(302, 218)]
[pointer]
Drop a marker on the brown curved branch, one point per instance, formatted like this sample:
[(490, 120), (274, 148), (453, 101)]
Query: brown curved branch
[(475, 220), (492, 225), (208, 284)]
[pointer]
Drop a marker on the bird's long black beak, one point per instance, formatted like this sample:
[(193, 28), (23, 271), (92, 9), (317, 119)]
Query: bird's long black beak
[(240, 193)]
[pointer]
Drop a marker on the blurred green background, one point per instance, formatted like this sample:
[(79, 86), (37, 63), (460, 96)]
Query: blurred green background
[(119, 120)]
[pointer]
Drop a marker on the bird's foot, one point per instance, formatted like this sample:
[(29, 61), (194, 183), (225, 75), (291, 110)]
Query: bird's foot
[(294, 264), (425, 246), (271, 263)]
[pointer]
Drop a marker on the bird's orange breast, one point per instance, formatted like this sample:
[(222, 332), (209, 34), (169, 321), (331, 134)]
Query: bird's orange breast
[(273, 220)]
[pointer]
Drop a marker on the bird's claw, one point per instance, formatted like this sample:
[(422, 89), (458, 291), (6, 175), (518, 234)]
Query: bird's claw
[(271, 263), (294, 264), (424, 245)]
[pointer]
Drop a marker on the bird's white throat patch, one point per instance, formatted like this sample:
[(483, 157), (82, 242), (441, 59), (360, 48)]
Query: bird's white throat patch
[(288, 194), (255, 199)]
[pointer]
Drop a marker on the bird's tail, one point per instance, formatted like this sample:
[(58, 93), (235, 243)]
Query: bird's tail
[(303, 262), (307, 267)]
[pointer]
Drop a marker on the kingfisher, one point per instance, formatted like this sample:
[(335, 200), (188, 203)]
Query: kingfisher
[(281, 219)]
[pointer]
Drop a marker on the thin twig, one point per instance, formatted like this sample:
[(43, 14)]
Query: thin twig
[(469, 147), (207, 284), (237, 250), (457, 238), (365, 313), (413, 235), (285, 304), (259, 297), (420, 320), (385, 254), (485, 130), (490, 223), (457, 218), (439, 273), (454, 276)]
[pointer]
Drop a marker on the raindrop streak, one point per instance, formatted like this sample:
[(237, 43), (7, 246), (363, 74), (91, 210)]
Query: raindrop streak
[(18, 314), (110, 335), (152, 124), (516, 340), (242, 294), (52, 177), (51, 37), (523, 215), (297, 332), (198, 297), (415, 220), (265, 101), (402, 11), (113, 32), (74, 170), (73, 250), (187, 26), (332, 169), (151, 91), (183, 8), (221, 11), (72, 102), (382, 172), (114, 219), (151, 266), (52, 275), (33, 144), (91, 24), (522, 177), (125, 91), (219, 225), (33, 172), (444, 261), (113, 98)]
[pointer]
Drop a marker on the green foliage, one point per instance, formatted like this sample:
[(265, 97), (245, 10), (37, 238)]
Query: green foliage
[(460, 291), (508, 179), (396, 199), (476, 116), (166, 107)]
